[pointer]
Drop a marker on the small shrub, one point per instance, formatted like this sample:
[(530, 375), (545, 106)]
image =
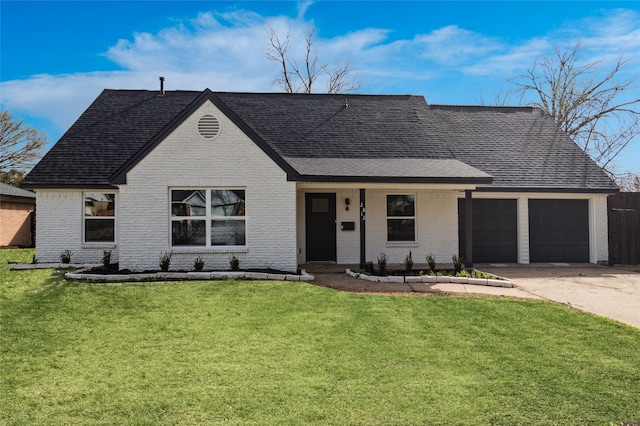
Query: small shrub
[(65, 256), (479, 274), (106, 258), (198, 264), (165, 261), (234, 263), (431, 260), (408, 262), (382, 263), (463, 273), (457, 263)]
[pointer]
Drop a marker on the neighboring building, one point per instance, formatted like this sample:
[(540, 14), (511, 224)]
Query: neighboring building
[(283, 179), (17, 208)]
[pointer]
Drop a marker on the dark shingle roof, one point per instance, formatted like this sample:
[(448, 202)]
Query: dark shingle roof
[(322, 136), (401, 169), (314, 125), (521, 147), (114, 127)]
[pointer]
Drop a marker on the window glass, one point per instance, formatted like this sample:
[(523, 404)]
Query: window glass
[(99, 204), (401, 229), (99, 230), (400, 205), (319, 205), (224, 208), (401, 222), (227, 233), (226, 202), (188, 233), (99, 217), (188, 202)]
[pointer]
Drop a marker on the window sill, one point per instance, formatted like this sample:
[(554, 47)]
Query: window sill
[(402, 244), (99, 245), (208, 250)]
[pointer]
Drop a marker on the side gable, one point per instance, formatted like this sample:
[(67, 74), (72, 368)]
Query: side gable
[(106, 136)]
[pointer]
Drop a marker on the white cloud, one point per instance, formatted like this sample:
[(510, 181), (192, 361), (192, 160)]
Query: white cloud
[(511, 60), (227, 43), (452, 45), (303, 6), (226, 51)]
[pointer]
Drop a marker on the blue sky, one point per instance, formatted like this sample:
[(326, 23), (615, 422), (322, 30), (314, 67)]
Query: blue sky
[(56, 57)]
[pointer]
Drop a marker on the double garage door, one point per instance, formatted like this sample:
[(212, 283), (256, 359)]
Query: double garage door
[(558, 230)]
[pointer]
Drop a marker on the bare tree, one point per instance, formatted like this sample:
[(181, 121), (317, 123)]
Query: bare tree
[(300, 76), (20, 145), (599, 111), (628, 182)]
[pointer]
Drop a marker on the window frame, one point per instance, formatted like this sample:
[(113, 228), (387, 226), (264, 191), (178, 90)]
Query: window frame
[(113, 218), (208, 218), (396, 217)]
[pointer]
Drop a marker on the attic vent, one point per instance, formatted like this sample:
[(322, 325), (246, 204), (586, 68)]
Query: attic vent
[(209, 126)]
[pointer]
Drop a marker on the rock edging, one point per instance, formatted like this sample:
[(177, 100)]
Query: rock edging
[(432, 279), (185, 276), (82, 273)]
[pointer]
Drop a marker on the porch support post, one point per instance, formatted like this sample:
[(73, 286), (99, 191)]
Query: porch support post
[(363, 254), (468, 229)]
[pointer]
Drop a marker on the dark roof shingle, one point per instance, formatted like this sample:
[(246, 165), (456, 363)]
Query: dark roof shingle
[(521, 147), (114, 127), (317, 135)]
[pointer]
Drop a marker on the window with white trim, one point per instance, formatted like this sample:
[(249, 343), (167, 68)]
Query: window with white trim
[(401, 218), (208, 217), (99, 217)]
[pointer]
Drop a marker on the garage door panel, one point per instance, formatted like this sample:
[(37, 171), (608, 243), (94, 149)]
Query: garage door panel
[(494, 230), (559, 230)]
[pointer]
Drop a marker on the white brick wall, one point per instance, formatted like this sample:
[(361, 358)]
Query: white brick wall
[(437, 224), (59, 227), (185, 159)]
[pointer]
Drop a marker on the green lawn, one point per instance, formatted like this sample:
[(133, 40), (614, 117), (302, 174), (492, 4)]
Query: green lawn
[(243, 352)]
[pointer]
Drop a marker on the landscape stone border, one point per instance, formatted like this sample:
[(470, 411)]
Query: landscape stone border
[(82, 273), (432, 279)]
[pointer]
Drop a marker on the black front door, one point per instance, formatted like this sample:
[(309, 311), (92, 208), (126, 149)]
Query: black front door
[(321, 227)]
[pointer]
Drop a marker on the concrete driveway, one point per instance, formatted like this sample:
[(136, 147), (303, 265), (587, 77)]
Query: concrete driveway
[(612, 292)]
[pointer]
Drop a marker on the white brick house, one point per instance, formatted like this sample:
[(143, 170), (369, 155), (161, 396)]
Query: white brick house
[(280, 180)]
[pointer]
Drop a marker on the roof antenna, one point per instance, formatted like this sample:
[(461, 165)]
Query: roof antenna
[(162, 86), (346, 103)]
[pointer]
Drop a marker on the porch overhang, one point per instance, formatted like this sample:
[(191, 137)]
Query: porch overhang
[(386, 170)]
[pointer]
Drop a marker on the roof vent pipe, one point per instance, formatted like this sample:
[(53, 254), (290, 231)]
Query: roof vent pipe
[(162, 86)]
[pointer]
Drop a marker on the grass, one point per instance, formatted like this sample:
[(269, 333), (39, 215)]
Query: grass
[(252, 352)]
